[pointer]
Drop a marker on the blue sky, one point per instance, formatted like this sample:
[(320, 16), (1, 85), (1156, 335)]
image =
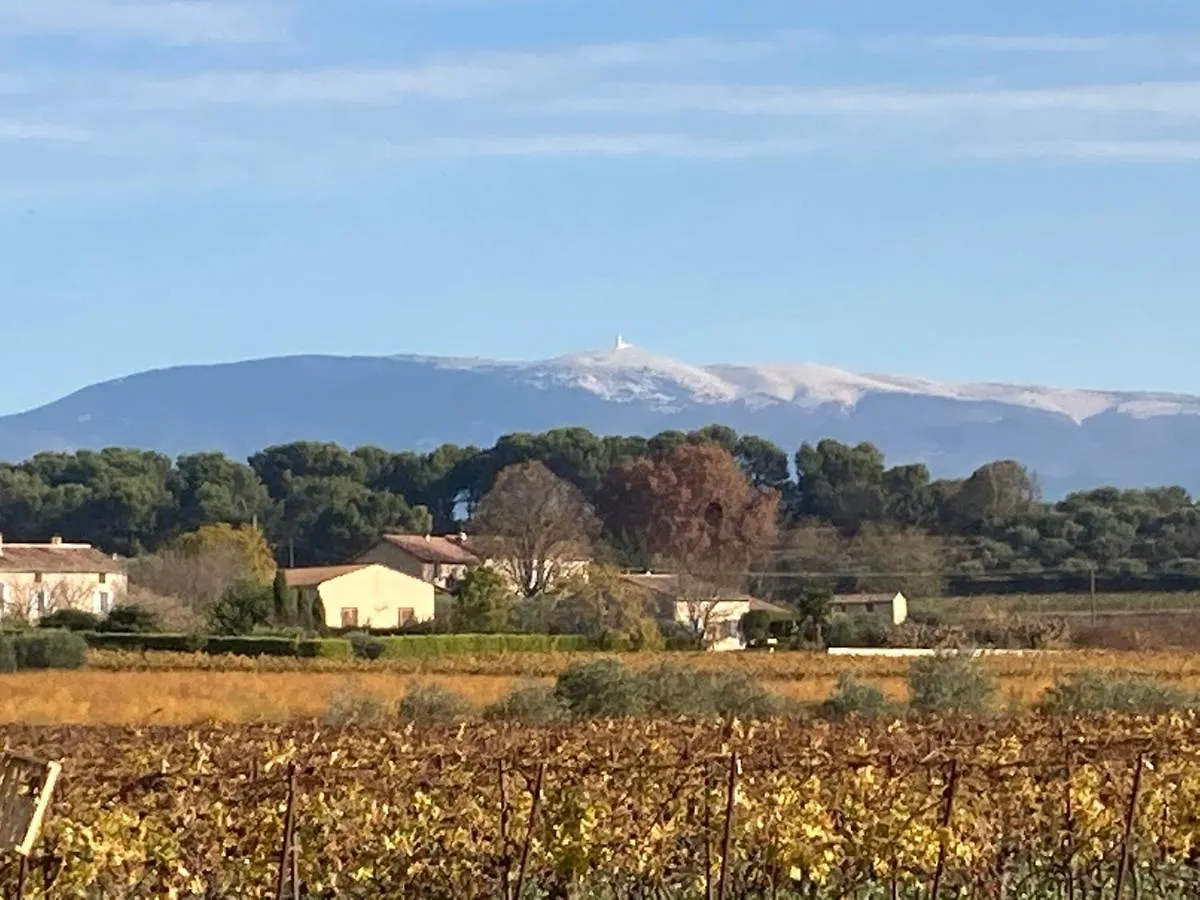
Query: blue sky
[(960, 190)]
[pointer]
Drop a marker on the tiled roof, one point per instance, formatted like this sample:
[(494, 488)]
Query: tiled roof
[(56, 559), (316, 575), (772, 608), (669, 584), (863, 599), (433, 549)]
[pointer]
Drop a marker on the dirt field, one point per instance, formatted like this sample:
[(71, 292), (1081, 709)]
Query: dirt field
[(181, 696)]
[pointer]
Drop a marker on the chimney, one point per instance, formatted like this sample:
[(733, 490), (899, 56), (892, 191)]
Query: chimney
[(56, 540), (462, 537), (428, 538)]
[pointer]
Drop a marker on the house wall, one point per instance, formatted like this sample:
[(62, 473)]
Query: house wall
[(723, 619), (378, 594), (90, 592), (439, 574), (894, 611)]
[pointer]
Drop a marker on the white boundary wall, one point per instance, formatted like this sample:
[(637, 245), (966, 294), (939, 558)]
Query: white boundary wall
[(920, 651)]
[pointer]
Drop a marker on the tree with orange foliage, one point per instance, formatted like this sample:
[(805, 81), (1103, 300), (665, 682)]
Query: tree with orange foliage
[(694, 511)]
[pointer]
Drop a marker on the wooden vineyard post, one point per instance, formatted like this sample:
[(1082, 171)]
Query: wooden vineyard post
[(1069, 819), (26, 787), (22, 876), (708, 895), (735, 768), (533, 814), (287, 851), (504, 862), (1130, 816), (947, 812)]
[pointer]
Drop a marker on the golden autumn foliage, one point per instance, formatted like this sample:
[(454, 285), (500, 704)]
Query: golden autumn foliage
[(245, 542), (627, 809)]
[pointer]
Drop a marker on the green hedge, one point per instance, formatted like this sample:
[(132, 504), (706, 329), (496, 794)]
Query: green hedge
[(430, 645), (175, 643), (253, 645), (418, 646)]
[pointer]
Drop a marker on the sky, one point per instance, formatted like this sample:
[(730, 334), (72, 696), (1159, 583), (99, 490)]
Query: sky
[(966, 190)]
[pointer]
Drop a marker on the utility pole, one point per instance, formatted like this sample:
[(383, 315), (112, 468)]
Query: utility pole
[(1092, 589)]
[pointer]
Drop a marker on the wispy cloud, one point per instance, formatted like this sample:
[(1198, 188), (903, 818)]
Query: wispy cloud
[(1099, 151), (680, 146), (164, 21), (685, 97), (39, 131), (1180, 99)]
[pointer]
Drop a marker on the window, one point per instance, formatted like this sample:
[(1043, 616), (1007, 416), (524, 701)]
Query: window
[(104, 578), (349, 617), (870, 608), (406, 616), (102, 604), (37, 577), (3, 599), (39, 603)]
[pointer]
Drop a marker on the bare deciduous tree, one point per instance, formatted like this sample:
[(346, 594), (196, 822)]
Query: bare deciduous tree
[(535, 527), (197, 580), (29, 601)]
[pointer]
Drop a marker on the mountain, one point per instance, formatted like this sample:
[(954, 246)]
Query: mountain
[(1072, 438)]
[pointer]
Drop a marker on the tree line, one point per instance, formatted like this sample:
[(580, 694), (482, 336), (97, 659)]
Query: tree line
[(840, 510)]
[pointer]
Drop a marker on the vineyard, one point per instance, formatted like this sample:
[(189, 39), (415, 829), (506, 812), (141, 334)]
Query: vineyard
[(1016, 808)]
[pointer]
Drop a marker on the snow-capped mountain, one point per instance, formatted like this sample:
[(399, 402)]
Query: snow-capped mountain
[(1072, 438)]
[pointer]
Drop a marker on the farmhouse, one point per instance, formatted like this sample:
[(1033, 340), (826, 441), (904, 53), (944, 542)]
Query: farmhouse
[(704, 609), (444, 560), (365, 595), (441, 561), (38, 579), (892, 608)]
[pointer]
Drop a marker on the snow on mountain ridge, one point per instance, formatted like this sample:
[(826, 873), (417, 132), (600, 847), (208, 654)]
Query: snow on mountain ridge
[(627, 373)]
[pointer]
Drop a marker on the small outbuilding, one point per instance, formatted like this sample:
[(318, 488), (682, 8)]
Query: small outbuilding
[(366, 595), (892, 608)]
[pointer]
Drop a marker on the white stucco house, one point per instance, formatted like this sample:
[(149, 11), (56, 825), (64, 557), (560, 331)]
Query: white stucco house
[(889, 608), (39, 579), (715, 614), (367, 595)]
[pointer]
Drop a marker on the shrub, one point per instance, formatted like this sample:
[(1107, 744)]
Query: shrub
[(534, 704), (254, 645), (949, 683), (243, 608), (130, 620), (70, 620), (756, 627), (674, 689), (1090, 691), (431, 703), (739, 694), (603, 688), (324, 648), (852, 697), (350, 706), (842, 630), (366, 646), (49, 650), (8, 655)]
